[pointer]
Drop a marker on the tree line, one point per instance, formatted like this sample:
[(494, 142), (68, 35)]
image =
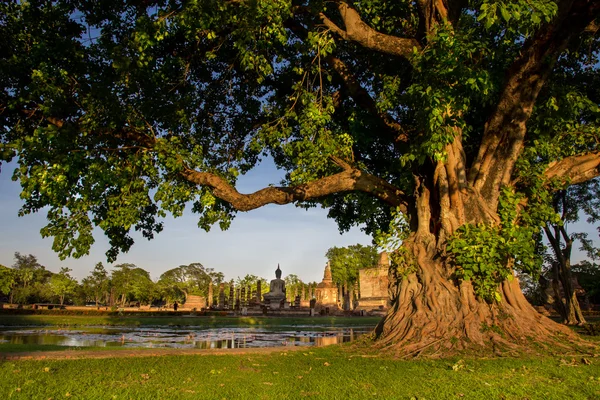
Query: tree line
[(27, 282)]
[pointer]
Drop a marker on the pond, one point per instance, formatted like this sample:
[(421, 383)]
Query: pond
[(185, 337)]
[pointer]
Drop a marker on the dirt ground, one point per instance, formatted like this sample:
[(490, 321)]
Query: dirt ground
[(78, 354)]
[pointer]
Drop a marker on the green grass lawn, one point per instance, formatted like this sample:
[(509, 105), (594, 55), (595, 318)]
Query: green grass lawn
[(335, 372), (212, 321)]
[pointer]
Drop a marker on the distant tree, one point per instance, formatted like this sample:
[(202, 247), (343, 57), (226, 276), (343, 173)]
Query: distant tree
[(31, 280), (346, 261), (63, 285), (96, 285), (189, 279), (252, 282), (131, 283), (570, 205), (29, 270), (7, 279), (293, 286), (588, 276)]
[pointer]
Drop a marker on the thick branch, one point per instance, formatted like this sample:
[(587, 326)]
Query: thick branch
[(363, 99), (575, 169), (433, 12), (361, 33), (350, 179), (506, 128), (555, 243)]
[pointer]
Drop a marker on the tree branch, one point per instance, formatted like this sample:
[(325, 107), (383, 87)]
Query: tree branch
[(362, 98), (555, 243), (350, 179), (575, 169), (393, 129), (361, 33)]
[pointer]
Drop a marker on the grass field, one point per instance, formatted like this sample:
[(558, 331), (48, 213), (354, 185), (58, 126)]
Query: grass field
[(335, 372)]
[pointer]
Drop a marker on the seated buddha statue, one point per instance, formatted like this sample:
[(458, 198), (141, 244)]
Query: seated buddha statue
[(276, 291)]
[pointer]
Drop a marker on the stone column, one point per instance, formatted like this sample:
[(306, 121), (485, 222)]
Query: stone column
[(259, 291), (243, 304), (249, 296), (231, 291), (210, 300)]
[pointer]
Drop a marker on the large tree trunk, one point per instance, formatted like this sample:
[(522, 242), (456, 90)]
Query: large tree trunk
[(433, 311)]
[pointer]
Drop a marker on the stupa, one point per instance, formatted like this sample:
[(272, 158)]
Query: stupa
[(326, 293)]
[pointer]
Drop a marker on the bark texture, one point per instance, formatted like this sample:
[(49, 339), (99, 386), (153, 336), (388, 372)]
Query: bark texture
[(433, 313)]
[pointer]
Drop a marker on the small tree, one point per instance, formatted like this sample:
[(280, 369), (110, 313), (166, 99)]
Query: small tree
[(251, 281), (293, 286), (97, 284), (7, 280), (131, 283), (31, 279), (178, 283), (346, 261), (63, 285)]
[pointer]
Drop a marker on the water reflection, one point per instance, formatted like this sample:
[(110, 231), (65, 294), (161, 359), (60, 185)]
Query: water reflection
[(224, 338)]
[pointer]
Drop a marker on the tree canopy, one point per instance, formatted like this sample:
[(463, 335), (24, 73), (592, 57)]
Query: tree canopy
[(346, 261), (464, 116), (189, 279)]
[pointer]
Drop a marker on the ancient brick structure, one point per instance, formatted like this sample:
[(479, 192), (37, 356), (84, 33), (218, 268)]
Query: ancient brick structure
[(374, 286), (193, 301)]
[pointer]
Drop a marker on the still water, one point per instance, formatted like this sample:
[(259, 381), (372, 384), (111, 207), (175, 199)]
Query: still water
[(182, 338)]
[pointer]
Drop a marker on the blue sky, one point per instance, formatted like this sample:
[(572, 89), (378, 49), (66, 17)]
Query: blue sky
[(254, 244)]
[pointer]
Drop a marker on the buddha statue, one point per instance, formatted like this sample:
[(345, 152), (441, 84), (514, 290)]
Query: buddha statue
[(276, 291)]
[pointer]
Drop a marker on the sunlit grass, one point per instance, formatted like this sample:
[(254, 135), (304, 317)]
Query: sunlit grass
[(336, 372)]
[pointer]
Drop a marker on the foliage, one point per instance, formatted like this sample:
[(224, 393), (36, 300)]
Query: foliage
[(293, 286), (487, 254), (7, 279), (62, 284), (346, 261), (117, 76), (252, 281), (391, 241), (30, 280), (184, 280), (96, 285), (131, 282), (588, 276)]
